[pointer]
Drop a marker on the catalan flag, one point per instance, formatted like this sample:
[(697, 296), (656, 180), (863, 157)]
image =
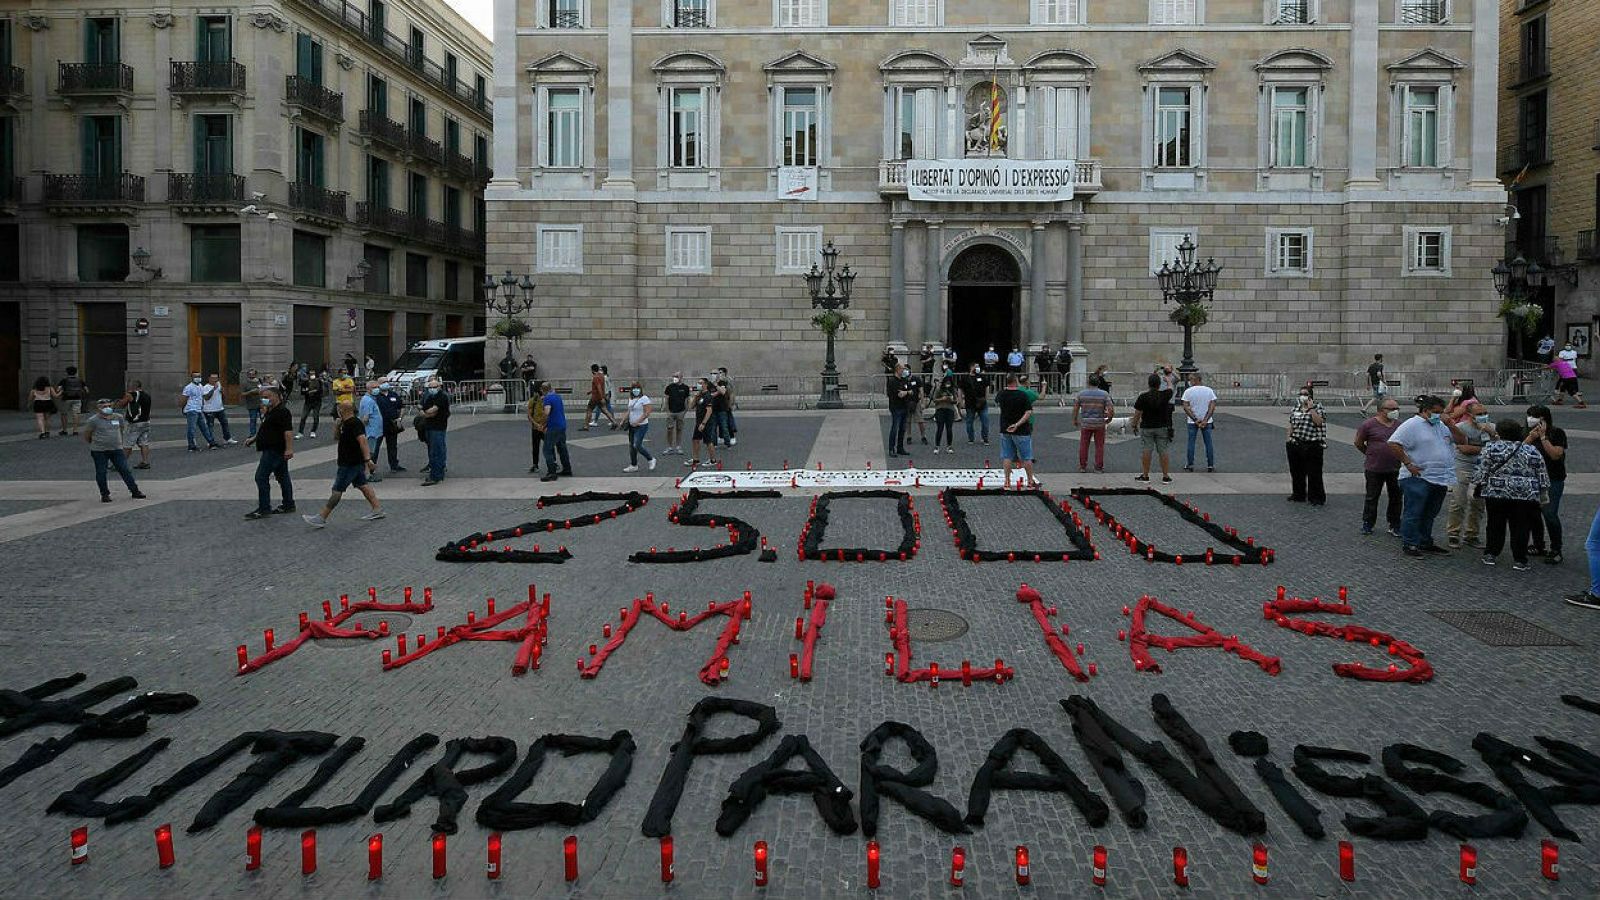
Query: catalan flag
[(994, 115)]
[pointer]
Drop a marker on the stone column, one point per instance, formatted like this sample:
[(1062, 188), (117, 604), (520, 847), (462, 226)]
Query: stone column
[(1485, 87), (933, 297), (1036, 337), (506, 99), (1364, 93), (1075, 285), (897, 284), (163, 162), (619, 95)]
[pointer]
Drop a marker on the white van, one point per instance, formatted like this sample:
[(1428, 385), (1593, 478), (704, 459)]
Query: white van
[(452, 359)]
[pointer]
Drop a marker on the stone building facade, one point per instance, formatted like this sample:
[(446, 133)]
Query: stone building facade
[(1549, 135), (1337, 157), (202, 186)]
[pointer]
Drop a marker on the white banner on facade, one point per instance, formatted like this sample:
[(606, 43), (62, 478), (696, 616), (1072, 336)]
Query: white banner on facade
[(990, 180), (797, 182)]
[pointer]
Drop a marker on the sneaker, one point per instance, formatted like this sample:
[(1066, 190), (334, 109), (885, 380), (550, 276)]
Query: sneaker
[(214, 447), (230, 441), (1393, 531), (1365, 531), (1585, 600), (1520, 566), (1454, 543), (373, 516), (1489, 560), (733, 441), (1412, 552), (105, 498), (194, 449), (297, 436), (1208, 468), (429, 482), (313, 434), (532, 469), (314, 521), (1434, 548), (139, 495), (281, 510), (548, 478), (142, 466), (1166, 479), (258, 514), (1535, 551), (62, 432), (690, 463), (969, 440), (924, 441), (398, 469), (630, 468), (1553, 559), (1188, 468), (652, 464), (1141, 478)]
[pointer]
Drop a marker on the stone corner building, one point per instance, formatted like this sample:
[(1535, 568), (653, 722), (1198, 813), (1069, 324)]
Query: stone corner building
[(667, 168), (212, 185)]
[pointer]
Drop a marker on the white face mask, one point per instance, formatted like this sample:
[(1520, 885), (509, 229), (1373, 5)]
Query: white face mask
[(105, 411), (1304, 398), (1534, 423), (676, 379), (636, 392)]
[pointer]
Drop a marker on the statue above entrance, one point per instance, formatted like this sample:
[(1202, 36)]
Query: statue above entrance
[(986, 117)]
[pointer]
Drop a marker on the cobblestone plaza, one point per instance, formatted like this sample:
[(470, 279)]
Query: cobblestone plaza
[(164, 590)]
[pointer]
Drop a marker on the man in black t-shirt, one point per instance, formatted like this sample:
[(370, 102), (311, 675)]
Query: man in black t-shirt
[(275, 440), (975, 400), (1375, 382), (354, 465), (73, 392), (677, 394), (436, 410), (135, 404), (1016, 430), (1152, 418)]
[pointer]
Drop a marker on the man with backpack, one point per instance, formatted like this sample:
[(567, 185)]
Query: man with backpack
[(73, 391)]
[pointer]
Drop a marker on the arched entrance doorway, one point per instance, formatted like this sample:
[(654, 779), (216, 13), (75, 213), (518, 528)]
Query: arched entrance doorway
[(985, 283)]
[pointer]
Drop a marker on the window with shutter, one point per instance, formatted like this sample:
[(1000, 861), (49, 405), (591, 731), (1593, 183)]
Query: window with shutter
[(798, 249), (800, 120), (1421, 126), (688, 251), (687, 107), (564, 134), (1173, 12), (925, 136), (1066, 123), (560, 248), (1171, 127), (1290, 115), (799, 13), (1164, 244)]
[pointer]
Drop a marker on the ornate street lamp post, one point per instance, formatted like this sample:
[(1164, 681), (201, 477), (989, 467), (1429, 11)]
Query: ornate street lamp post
[(830, 292), (1514, 282), (509, 297), (1189, 285)]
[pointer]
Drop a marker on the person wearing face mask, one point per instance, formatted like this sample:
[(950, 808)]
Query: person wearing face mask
[(103, 433), (705, 434), (1306, 443), (436, 410), (1466, 511), (555, 434), (137, 402), (677, 394), (215, 407), (371, 417), (392, 407), (1512, 479), (1425, 446), (1381, 467), (275, 441), (195, 394), (975, 400), (639, 408), (902, 393), (1551, 442)]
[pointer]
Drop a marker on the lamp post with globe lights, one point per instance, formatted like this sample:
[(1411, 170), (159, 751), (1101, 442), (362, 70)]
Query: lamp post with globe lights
[(509, 297), (830, 289), (1189, 285), (1515, 281)]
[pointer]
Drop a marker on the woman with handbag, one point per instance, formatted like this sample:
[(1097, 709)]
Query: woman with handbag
[(1512, 479)]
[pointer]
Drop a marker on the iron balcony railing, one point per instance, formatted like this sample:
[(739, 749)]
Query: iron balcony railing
[(317, 200), (356, 21), (11, 81), (383, 218), (208, 77), (124, 188), (566, 18), (96, 78), (459, 167), (314, 98), (426, 149), (691, 17), (1423, 12), (1293, 12), (384, 130), (481, 170), (418, 228), (1534, 151), (204, 188), (1535, 64), (11, 190), (1587, 250)]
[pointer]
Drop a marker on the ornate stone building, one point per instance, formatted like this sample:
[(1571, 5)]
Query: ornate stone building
[(668, 168), (176, 184)]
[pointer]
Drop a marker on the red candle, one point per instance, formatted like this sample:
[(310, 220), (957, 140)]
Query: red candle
[(888, 664), (722, 670), (400, 641), (372, 595), (666, 859), (327, 610), (933, 669), (386, 658), (966, 673), (1023, 877), (1180, 867), (794, 666), (1258, 863), (408, 593), (308, 851), (305, 622), (1347, 861), (493, 869), (872, 865), (244, 656), (491, 606), (1550, 860), (761, 863), (1093, 670), (268, 636), (427, 597), (80, 845), (1098, 873), (164, 854), (958, 866), (605, 630), (375, 857), (1469, 864), (569, 853), (438, 855), (798, 625)]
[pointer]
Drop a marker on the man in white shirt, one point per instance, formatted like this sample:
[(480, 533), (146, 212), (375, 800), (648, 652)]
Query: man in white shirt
[(195, 394), (1547, 346), (1199, 407), (1425, 446), (1569, 354), (639, 409), (215, 406)]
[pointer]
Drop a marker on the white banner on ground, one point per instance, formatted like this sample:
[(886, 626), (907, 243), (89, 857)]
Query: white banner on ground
[(859, 478), (990, 180)]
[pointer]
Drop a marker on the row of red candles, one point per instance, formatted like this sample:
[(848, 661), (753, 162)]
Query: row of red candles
[(166, 857)]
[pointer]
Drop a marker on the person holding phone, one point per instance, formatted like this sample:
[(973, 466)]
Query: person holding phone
[(1551, 442), (1307, 440)]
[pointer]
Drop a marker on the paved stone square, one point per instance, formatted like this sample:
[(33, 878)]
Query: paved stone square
[(164, 590)]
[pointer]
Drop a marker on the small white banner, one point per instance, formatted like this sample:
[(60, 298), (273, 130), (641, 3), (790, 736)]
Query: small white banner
[(858, 478), (797, 182), (990, 180)]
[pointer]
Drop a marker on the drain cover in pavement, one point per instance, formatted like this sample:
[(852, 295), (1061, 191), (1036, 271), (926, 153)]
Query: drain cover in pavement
[(1498, 629), (934, 625), (398, 623)]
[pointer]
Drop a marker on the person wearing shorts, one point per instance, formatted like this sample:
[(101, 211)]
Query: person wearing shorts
[(1152, 419), (136, 405), (1016, 430), (355, 464), (1567, 378)]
